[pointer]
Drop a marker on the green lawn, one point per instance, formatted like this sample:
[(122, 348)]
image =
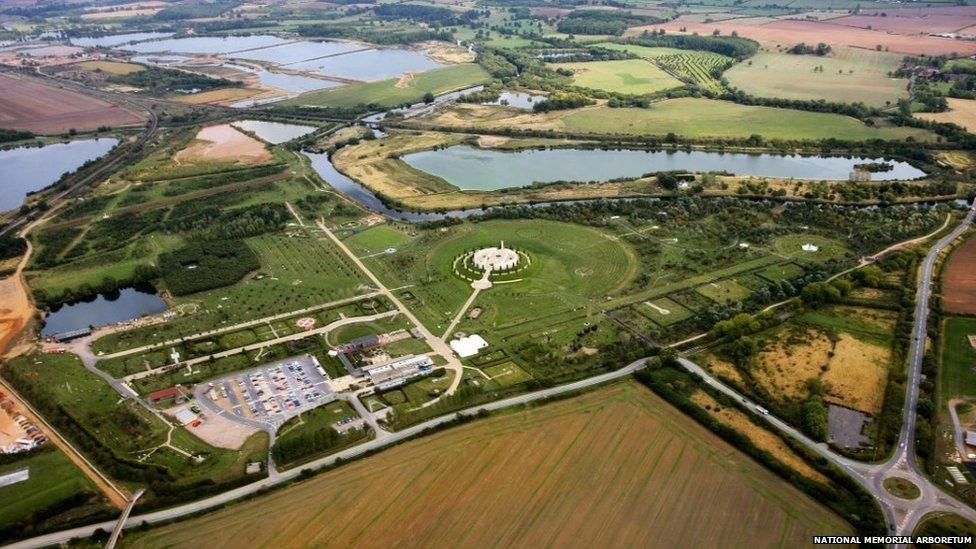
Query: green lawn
[(655, 310), (630, 76), (571, 265), (724, 291), (507, 374), (53, 478), (691, 117), (376, 239), (387, 93), (847, 75), (792, 246), (957, 377), (786, 271), (695, 65)]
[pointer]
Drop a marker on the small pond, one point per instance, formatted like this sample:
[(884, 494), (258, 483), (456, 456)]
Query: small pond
[(518, 100), (471, 168), (107, 308), (28, 169), (274, 132)]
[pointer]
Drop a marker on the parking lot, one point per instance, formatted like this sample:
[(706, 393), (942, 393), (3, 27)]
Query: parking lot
[(270, 394)]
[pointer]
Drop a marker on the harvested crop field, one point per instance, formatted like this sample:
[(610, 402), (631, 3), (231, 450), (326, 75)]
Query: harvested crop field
[(959, 288), (961, 112), (614, 467), (793, 31), (27, 104), (224, 143)]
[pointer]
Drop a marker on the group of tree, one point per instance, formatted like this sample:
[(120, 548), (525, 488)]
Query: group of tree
[(206, 265), (562, 101), (432, 15), (14, 135), (162, 80), (294, 447), (612, 22), (802, 48)]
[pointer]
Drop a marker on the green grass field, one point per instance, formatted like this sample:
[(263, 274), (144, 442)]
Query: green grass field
[(53, 478), (655, 310), (376, 239), (777, 273), (847, 75), (388, 93), (724, 291), (693, 117), (630, 76), (571, 265), (791, 246), (957, 377), (507, 374), (697, 66)]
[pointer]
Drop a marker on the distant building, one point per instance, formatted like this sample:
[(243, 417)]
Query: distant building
[(186, 416), (252, 468)]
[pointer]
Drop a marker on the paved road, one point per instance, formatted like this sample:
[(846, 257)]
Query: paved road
[(277, 478)]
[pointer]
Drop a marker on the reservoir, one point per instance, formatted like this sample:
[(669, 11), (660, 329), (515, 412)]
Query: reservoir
[(107, 308), (274, 132), (470, 168), (28, 169), (118, 39)]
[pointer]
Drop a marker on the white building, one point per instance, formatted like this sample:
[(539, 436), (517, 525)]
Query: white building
[(468, 346)]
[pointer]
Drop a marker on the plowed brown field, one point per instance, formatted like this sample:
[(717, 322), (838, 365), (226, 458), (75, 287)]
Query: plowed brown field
[(617, 467), (27, 104), (791, 32), (959, 291)]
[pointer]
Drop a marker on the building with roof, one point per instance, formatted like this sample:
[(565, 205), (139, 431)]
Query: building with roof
[(468, 346), (398, 371)]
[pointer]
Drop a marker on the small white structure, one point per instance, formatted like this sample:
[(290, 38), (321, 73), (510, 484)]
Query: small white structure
[(186, 416), (809, 247), (496, 259), (468, 346), (744, 245)]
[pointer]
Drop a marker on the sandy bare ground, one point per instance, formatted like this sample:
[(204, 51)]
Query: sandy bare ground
[(442, 52), (961, 112), (224, 143), (219, 431), (404, 80)]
